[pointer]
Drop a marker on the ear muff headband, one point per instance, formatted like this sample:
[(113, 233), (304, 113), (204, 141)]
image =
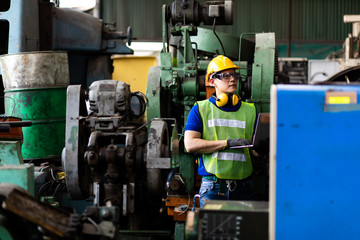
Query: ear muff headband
[(223, 99)]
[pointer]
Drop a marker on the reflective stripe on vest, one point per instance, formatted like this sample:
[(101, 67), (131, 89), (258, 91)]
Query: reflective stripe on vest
[(230, 156), (221, 125), (226, 123)]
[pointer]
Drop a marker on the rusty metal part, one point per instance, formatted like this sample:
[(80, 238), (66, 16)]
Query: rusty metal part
[(113, 194), (112, 190), (107, 217), (158, 145), (93, 222), (15, 132), (175, 185), (173, 202), (157, 157), (19, 202)]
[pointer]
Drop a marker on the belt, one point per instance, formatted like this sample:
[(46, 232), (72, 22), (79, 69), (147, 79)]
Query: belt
[(225, 184), (210, 177), (214, 178), (222, 187)]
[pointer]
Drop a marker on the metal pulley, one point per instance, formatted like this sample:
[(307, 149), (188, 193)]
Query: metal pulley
[(76, 140)]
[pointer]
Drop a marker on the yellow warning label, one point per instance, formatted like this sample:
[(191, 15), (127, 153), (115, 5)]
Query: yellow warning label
[(332, 97), (339, 100)]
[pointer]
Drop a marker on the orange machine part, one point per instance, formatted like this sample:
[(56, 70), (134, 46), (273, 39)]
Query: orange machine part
[(209, 90), (173, 203), (15, 132)]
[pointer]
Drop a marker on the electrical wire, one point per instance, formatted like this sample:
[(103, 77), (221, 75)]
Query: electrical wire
[(187, 207), (142, 126), (181, 135), (57, 189), (52, 174), (222, 46), (98, 229), (13, 111), (45, 185)]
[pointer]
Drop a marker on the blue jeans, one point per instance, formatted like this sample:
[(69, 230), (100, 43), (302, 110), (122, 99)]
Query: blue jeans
[(209, 189), (240, 190)]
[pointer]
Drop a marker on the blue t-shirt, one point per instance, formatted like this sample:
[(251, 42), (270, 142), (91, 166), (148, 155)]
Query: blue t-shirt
[(194, 123)]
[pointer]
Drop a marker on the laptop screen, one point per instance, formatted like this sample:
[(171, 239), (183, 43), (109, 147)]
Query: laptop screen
[(261, 132)]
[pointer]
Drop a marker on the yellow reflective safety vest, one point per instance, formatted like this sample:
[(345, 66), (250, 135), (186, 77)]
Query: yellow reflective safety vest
[(234, 164)]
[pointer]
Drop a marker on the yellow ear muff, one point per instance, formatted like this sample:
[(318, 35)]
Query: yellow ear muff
[(235, 99), (222, 99)]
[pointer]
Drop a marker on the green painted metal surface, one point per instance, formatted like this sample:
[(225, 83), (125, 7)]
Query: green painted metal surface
[(310, 51), (46, 109), (5, 235), (207, 41), (153, 93), (179, 231), (10, 152), (263, 71), (21, 175)]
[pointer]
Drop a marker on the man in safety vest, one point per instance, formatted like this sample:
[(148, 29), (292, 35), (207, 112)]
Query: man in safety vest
[(213, 127)]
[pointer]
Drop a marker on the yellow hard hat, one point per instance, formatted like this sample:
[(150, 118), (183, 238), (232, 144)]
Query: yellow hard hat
[(218, 64)]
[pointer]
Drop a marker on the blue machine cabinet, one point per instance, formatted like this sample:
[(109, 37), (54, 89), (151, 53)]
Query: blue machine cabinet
[(21, 18), (315, 162)]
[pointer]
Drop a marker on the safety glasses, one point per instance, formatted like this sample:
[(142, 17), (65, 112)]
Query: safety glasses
[(226, 76)]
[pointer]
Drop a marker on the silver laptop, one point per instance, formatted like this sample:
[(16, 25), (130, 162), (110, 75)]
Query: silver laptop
[(261, 132)]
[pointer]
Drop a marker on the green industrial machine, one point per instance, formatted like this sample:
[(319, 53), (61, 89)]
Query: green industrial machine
[(174, 87), (137, 176)]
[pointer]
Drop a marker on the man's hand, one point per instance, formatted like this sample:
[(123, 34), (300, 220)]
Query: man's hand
[(238, 142)]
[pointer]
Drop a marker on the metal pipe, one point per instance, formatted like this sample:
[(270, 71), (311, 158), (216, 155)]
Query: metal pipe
[(97, 9), (164, 27), (17, 123), (241, 36), (289, 30)]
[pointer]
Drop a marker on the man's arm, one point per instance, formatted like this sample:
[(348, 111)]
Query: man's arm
[(195, 144)]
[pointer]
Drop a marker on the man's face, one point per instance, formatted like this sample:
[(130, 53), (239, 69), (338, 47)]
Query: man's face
[(227, 82)]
